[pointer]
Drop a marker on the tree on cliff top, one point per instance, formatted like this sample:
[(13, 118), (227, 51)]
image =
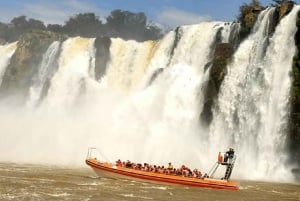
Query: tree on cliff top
[(123, 24), (83, 24), (20, 25), (248, 15), (130, 25)]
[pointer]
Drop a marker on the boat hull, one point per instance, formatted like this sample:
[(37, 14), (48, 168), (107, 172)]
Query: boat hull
[(109, 170)]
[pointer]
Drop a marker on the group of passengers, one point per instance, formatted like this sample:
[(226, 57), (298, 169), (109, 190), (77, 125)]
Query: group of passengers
[(170, 170)]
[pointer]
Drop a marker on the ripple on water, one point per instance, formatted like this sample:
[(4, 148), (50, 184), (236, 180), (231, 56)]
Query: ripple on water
[(91, 184), (58, 194), (155, 187), (135, 196)]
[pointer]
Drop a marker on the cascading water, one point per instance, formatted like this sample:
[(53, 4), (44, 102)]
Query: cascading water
[(129, 60), (46, 71), (131, 114), (76, 64), (6, 51), (165, 113), (137, 125), (252, 107)]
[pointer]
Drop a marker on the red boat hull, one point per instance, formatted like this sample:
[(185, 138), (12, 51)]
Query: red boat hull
[(108, 169)]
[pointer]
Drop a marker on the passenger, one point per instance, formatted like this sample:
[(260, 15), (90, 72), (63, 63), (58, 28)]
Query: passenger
[(200, 175), (174, 171), (119, 163), (146, 167), (128, 164), (184, 171), (161, 169), (179, 171), (151, 168), (170, 166), (169, 169), (138, 166), (190, 173), (196, 173), (154, 168)]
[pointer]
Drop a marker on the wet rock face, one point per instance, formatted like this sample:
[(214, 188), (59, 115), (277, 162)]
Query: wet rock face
[(102, 45), (25, 61), (295, 102), (251, 16), (222, 56), (248, 17)]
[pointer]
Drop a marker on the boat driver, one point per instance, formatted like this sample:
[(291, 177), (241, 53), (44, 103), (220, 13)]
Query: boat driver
[(229, 155)]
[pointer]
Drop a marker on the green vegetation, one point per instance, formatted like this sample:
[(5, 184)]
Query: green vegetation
[(248, 16), (123, 24), (23, 64)]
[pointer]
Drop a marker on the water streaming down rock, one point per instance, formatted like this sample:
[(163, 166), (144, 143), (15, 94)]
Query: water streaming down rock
[(6, 51), (144, 119), (76, 64), (147, 105), (152, 124), (46, 70), (128, 64), (252, 109)]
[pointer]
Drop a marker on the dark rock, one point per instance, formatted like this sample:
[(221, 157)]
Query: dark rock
[(222, 56), (102, 45), (24, 62)]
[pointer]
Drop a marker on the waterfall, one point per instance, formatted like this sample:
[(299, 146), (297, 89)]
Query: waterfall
[(230, 33), (147, 105), (129, 61), (165, 113), (251, 111), (122, 107), (45, 72), (76, 64), (6, 51)]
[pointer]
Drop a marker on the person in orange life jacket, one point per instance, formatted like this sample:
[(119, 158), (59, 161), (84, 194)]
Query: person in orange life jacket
[(220, 158)]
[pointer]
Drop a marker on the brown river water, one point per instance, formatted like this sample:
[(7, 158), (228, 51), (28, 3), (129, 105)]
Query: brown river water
[(37, 182)]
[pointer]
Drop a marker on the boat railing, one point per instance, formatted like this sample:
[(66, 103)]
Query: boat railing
[(229, 163), (90, 150), (96, 153)]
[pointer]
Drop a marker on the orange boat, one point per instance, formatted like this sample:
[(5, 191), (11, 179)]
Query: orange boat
[(106, 169)]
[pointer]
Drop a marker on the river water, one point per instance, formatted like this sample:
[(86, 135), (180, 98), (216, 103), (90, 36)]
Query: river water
[(38, 182)]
